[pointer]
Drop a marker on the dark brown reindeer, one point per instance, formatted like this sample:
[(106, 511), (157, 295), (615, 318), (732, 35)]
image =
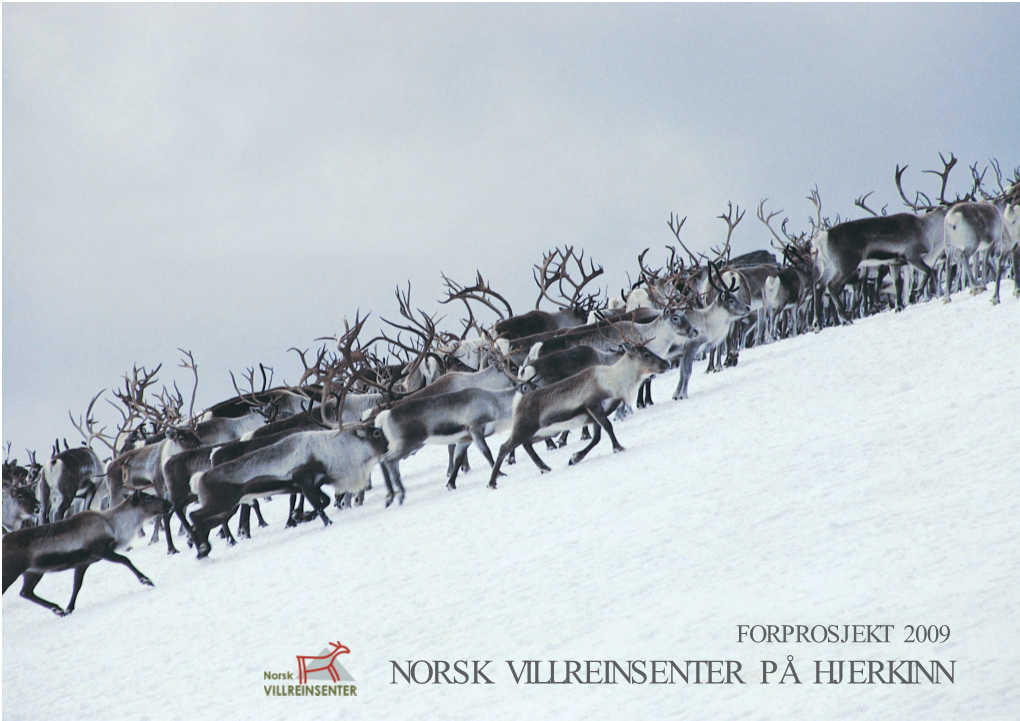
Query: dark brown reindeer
[(903, 238), (76, 542)]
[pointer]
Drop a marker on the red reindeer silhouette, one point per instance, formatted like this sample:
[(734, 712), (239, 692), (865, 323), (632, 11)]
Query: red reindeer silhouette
[(304, 669)]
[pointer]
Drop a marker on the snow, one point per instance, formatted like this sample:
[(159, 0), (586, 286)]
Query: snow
[(863, 475)]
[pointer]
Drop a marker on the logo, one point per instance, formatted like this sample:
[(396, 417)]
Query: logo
[(319, 675), (324, 666)]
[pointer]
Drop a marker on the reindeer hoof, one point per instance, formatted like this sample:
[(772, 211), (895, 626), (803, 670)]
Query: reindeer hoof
[(172, 552), (574, 460), (204, 549), (544, 469), (145, 581), (451, 486), (621, 449), (995, 301), (61, 612), (492, 485)]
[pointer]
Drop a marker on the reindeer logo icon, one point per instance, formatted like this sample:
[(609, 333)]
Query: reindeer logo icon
[(317, 667)]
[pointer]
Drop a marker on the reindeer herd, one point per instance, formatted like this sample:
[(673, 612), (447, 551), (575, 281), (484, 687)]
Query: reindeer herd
[(532, 377)]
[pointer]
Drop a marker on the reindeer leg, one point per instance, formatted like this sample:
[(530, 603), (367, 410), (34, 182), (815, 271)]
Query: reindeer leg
[(530, 450), (170, 548), (602, 419), (185, 526), (316, 498), (291, 518), (686, 368), (998, 278), (458, 458), (200, 524), (32, 579), (79, 576), (481, 445), (258, 512), (90, 493), (452, 450), (550, 444), (225, 532), (596, 437), (504, 451), (394, 486), (115, 557), (244, 524), (155, 531)]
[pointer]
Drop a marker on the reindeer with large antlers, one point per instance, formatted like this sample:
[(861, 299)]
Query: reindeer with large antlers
[(556, 285), (578, 400), (903, 237)]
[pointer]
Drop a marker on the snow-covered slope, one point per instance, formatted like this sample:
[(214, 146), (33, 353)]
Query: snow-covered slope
[(864, 475)]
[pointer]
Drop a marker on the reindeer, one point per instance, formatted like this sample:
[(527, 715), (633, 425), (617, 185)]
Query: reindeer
[(787, 290), (576, 401), (20, 505), (498, 375), (1010, 246), (901, 238), (76, 542), (68, 475), (748, 284), (711, 326), (972, 228), (143, 466), (840, 250), (542, 370), (178, 470), (300, 461), (460, 418)]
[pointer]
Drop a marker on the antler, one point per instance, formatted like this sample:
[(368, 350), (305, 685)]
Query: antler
[(252, 398), (861, 203), (675, 227), (720, 286), (552, 271), (425, 330), (310, 370), (480, 292), (947, 166), (87, 426), (355, 364), (188, 362), (724, 253), (133, 395)]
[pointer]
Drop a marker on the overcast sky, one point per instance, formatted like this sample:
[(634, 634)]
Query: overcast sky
[(234, 179)]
